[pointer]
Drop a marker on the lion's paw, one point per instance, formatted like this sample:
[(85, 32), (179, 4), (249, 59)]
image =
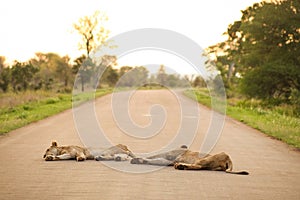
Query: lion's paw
[(49, 158), (137, 161), (99, 158), (80, 159), (179, 166)]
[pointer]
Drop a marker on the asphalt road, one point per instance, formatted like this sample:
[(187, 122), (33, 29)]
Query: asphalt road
[(274, 167)]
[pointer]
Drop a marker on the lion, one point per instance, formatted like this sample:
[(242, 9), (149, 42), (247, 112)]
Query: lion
[(55, 152), (162, 159), (184, 159), (218, 162), (118, 153)]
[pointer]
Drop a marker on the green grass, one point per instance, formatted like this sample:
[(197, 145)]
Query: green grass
[(89, 95), (18, 110), (272, 122)]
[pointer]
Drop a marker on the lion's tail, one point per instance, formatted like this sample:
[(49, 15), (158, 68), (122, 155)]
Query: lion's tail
[(238, 173), (229, 167)]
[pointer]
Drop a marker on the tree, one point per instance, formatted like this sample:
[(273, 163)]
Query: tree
[(124, 70), (274, 51), (95, 73), (22, 75), (263, 49), (162, 75), (133, 76), (4, 75), (106, 72), (83, 67), (173, 80), (54, 71), (44, 78), (199, 82), (111, 76), (5, 79), (63, 70), (2, 63), (77, 64), (92, 31)]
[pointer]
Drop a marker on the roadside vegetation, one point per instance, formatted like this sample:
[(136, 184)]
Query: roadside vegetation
[(16, 112), (260, 68), (279, 122)]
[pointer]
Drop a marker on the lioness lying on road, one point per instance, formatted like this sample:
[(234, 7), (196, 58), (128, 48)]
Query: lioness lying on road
[(184, 159), (119, 152), (218, 162), (55, 152), (162, 159)]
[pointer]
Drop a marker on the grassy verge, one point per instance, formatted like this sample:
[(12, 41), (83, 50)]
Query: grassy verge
[(18, 110), (271, 122)]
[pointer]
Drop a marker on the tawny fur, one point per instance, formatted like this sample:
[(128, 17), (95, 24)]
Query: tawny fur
[(118, 152)]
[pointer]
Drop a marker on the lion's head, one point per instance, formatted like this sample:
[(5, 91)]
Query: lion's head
[(51, 152)]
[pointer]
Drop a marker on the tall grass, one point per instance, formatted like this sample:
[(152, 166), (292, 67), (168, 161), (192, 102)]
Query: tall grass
[(277, 122), (20, 109)]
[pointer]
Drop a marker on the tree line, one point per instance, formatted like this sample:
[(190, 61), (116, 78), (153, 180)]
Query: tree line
[(44, 71), (49, 71), (261, 56)]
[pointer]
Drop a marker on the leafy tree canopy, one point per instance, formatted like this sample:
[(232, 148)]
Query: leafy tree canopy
[(264, 48), (92, 31)]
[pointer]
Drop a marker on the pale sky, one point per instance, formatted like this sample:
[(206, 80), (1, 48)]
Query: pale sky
[(29, 26)]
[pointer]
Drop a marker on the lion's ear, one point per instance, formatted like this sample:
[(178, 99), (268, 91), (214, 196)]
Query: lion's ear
[(184, 146), (54, 144)]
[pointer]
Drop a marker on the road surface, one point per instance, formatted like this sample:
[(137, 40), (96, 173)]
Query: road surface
[(274, 167)]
